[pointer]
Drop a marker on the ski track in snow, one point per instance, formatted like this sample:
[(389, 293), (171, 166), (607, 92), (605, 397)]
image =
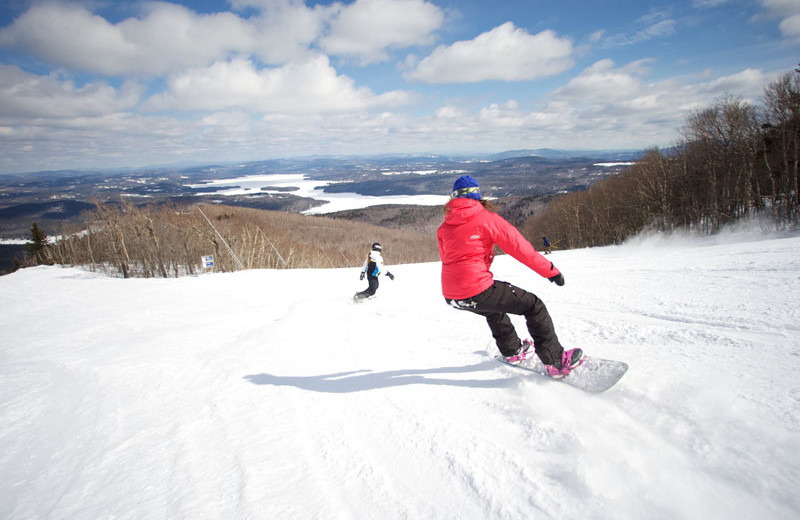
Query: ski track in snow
[(270, 394)]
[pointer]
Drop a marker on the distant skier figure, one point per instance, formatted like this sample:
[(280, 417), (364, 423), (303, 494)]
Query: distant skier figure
[(466, 247), (547, 249), (373, 267)]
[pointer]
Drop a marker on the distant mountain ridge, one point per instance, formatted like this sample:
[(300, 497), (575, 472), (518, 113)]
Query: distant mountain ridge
[(549, 153), (287, 164)]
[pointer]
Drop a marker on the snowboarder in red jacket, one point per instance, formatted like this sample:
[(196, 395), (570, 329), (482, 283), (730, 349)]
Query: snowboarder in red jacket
[(466, 247)]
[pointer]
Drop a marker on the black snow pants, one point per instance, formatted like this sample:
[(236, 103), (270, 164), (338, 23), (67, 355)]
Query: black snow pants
[(502, 299), (371, 289)]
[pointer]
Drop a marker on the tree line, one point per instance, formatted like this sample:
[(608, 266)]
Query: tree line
[(733, 160), (169, 241)]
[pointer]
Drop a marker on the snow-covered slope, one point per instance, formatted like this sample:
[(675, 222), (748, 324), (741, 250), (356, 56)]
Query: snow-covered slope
[(269, 394)]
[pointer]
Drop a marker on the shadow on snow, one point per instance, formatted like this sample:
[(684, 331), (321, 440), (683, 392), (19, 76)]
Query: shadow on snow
[(361, 380)]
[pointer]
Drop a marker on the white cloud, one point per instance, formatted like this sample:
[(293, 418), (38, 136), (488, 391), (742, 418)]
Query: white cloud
[(601, 82), (623, 93), (608, 106), (781, 7), (790, 27), (24, 95), (448, 112), (700, 4), (365, 29), (246, 113), (660, 29), (285, 29), (310, 86), (96, 141), (788, 11), (505, 53), (655, 25), (650, 114), (605, 106), (168, 36), (748, 84), (597, 36)]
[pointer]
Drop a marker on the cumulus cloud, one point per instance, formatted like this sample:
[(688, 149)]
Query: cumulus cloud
[(310, 86), (24, 95), (643, 113), (623, 93), (448, 112), (610, 106), (748, 84), (285, 29), (505, 53), (168, 36), (788, 11), (602, 82), (604, 106), (115, 139), (365, 29)]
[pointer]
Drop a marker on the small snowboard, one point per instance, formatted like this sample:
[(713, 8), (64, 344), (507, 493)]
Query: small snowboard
[(595, 375)]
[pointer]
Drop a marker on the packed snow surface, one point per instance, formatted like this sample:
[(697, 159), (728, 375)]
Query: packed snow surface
[(271, 395)]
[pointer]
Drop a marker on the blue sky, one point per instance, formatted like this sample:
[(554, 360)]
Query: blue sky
[(105, 84)]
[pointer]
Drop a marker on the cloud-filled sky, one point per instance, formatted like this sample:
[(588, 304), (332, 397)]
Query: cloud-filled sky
[(106, 84)]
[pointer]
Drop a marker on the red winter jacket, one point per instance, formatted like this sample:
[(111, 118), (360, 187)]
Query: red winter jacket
[(466, 246)]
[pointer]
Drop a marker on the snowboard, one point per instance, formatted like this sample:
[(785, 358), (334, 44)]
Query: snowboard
[(595, 375), (359, 299)]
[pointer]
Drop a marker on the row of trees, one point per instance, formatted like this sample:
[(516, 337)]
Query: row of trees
[(734, 160), (150, 241)]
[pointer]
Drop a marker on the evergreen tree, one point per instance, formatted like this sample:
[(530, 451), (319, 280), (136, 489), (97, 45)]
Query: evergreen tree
[(37, 247)]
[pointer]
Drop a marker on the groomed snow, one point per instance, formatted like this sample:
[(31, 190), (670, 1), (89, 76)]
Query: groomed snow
[(270, 395)]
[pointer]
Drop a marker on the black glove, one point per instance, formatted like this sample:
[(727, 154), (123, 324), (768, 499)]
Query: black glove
[(362, 275), (390, 275), (557, 279)]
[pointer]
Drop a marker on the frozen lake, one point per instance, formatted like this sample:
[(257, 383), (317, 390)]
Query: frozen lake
[(300, 185)]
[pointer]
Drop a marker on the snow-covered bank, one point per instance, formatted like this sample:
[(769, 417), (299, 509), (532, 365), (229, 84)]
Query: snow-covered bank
[(268, 394)]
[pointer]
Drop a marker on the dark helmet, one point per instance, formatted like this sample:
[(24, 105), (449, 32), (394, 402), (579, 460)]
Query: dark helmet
[(376, 247)]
